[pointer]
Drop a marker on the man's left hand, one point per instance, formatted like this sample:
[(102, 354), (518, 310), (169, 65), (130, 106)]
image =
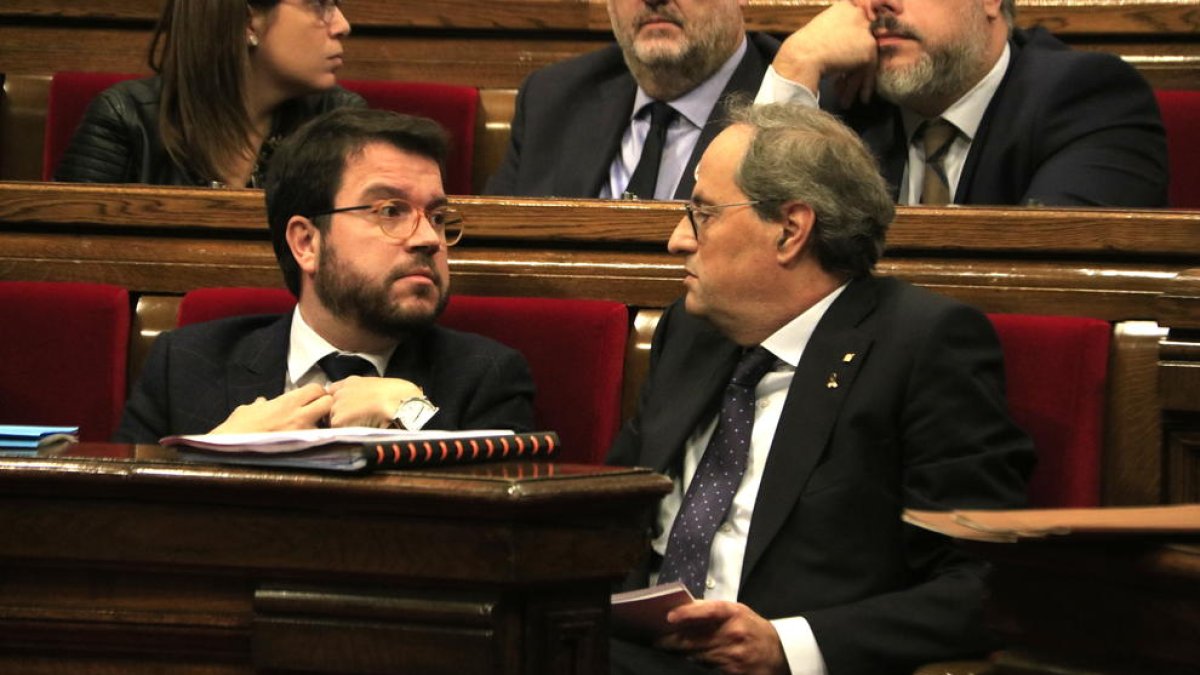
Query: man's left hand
[(726, 635), (368, 401)]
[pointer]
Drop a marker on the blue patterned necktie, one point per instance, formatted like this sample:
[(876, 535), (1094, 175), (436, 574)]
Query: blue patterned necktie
[(340, 366), (706, 504)]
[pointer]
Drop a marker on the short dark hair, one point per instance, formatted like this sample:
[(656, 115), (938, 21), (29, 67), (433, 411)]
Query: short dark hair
[(306, 169), (803, 154)]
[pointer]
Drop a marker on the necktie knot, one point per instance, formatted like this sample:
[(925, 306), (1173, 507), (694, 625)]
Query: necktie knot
[(340, 366), (753, 365)]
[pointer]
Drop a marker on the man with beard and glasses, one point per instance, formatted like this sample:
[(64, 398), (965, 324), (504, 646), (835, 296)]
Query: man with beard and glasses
[(360, 225), (632, 119), (970, 110)]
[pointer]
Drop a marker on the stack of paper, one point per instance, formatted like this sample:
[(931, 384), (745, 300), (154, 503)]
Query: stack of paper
[(25, 438)]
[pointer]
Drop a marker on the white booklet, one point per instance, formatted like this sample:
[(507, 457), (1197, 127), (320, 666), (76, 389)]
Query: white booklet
[(304, 439), (643, 613)]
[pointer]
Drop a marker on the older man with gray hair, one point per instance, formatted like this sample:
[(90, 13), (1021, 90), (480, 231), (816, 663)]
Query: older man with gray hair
[(800, 403)]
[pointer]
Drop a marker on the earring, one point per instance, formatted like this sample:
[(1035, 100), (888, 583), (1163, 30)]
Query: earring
[(253, 40)]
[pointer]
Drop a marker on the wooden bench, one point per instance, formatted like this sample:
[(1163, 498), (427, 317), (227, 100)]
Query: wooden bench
[(493, 45), (1135, 269)]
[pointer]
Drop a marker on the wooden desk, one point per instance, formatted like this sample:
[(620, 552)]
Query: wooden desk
[(1100, 606), (119, 559)]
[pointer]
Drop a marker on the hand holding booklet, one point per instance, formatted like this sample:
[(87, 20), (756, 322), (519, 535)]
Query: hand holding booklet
[(359, 448), (643, 613)]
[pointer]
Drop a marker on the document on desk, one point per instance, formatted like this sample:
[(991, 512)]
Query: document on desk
[(358, 448), (643, 613), (23, 438)]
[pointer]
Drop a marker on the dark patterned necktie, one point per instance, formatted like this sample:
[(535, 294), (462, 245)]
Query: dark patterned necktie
[(340, 366), (645, 176), (937, 136), (706, 504)]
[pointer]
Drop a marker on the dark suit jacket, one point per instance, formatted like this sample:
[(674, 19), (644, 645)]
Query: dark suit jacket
[(196, 375), (570, 117), (1064, 128), (918, 419)]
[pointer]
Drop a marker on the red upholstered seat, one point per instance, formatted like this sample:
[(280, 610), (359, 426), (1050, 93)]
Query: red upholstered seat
[(206, 304), (1181, 116), (575, 349), (454, 107), (1056, 368), (64, 347), (70, 95)]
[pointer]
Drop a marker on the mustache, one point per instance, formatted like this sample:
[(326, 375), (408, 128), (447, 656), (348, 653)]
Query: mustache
[(663, 13), (892, 26), (421, 263)]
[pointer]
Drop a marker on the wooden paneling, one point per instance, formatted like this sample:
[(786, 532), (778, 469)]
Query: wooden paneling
[(495, 43), (1136, 269)]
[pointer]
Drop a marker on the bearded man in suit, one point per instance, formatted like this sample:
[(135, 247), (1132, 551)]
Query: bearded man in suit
[(582, 127), (962, 107), (360, 226), (869, 396)]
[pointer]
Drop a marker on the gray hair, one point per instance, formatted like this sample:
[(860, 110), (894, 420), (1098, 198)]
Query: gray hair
[(803, 154), (1008, 8)]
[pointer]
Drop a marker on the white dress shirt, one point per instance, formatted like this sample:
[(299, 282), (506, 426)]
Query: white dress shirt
[(729, 543), (692, 112), (305, 348)]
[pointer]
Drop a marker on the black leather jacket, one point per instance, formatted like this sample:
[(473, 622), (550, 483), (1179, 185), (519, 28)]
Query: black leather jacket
[(118, 139)]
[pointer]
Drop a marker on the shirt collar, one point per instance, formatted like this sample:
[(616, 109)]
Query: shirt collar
[(306, 347), (697, 105), (967, 112), (788, 343)]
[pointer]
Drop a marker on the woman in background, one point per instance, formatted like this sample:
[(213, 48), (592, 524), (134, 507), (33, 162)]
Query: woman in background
[(234, 77)]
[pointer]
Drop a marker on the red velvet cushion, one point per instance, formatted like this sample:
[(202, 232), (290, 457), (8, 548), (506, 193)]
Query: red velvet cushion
[(206, 304), (1056, 369), (70, 95), (64, 347), (575, 349), (454, 107), (1181, 116)]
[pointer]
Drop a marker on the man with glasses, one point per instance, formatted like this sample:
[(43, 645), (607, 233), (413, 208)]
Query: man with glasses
[(800, 403), (360, 226)]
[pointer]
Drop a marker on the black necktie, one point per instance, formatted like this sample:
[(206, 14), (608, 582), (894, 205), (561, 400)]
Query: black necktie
[(645, 176), (718, 475), (340, 366)]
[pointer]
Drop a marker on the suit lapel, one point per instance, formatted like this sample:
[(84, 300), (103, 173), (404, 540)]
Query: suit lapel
[(259, 364), (745, 79), (694, 395), (601, 119), (824, 377), (967, 183)]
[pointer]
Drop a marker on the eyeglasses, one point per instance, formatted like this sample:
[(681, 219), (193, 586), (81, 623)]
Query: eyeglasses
[(699, 215), (399, 219), (324, 8)]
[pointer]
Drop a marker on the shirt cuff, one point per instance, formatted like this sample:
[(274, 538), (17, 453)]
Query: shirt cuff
[(776, 88), (800, 646)]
